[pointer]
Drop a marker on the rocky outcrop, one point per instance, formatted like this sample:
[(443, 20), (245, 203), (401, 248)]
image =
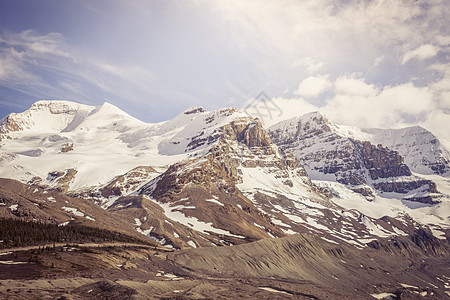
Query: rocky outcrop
[(128, 182), (67, 147), (404, 187), (381, 162), (61, 180), (254, 136), (195, 110), (8, 125)]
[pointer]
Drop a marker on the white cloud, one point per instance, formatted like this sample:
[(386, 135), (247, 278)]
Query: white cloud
[(351, 85), (438, 123), (421, 53), (313, 86), (364, 105), (441, 87), (15, 71), (321, 28)]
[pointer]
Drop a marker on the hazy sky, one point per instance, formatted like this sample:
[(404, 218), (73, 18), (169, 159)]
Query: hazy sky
[(365, 63)]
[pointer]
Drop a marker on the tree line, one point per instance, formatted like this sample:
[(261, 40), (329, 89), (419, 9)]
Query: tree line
[(15, 233)]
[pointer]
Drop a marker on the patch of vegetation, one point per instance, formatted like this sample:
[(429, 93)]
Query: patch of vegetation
[(15, 233)]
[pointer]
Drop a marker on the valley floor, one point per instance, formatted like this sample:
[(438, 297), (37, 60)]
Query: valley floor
[(296, 267)]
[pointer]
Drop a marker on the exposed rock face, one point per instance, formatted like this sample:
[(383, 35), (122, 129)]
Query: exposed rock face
[(321, 151), (61, 180), (381, 162), (7, 125), (128, 182), (327, 153), (253, 136), (429, 243), (194, 110), (422, 151)]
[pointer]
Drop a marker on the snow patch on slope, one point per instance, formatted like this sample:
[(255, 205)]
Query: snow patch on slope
[(174, 213)]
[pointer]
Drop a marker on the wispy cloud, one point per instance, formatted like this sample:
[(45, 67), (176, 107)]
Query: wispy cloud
[(421, 53), (47, 65), (330, 29)]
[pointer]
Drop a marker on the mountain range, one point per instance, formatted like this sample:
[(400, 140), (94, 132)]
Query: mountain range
[(219, 178)]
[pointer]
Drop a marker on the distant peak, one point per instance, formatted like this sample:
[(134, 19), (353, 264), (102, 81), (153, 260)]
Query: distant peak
[(49, 103), (108, 109), (59, 106), (315, 117), (54, 102), (107, 104), (312, 115), (194, 110)]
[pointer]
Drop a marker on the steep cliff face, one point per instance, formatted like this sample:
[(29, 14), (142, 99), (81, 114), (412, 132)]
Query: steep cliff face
[(381, 162), (422, 151), (329, 154)]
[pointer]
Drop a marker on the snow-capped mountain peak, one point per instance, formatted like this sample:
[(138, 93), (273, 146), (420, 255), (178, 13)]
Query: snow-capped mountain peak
[(332, 153), (310, 123), (58, 106), (43, 116), (422, 150), (56, 116)]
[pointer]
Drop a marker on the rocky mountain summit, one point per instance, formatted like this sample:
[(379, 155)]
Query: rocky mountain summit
[(422, 151), (330, 154)]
